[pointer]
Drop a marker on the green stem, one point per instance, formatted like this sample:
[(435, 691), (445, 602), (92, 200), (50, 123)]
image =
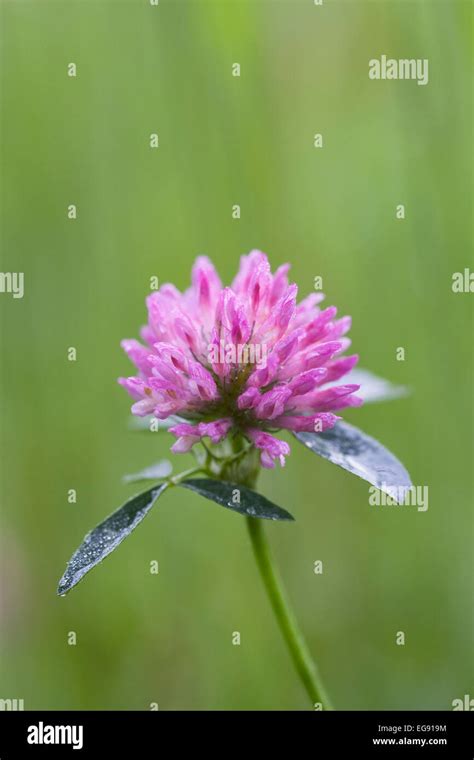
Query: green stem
[(176, 479), (286, 620)]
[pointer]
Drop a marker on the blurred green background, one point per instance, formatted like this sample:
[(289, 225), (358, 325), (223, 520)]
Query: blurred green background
[(223, 140)]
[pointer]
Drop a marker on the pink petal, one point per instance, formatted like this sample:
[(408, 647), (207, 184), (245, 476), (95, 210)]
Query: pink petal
[(301, 423), (272, 448)]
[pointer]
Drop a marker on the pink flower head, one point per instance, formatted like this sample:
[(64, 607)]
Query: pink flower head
[(244, 359)]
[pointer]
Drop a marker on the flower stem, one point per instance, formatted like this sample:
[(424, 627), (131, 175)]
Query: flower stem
[(176, 479), (286, 620)]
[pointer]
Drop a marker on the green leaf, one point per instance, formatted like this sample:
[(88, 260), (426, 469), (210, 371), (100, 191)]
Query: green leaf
[(103, 539), (250, 502), (373, 388), (355, 451), (161, 469)]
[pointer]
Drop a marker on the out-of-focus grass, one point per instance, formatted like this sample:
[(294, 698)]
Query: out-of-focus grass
[(143, 638)]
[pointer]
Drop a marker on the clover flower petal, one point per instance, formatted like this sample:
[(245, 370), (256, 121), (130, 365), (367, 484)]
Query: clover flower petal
[(245, 359)]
